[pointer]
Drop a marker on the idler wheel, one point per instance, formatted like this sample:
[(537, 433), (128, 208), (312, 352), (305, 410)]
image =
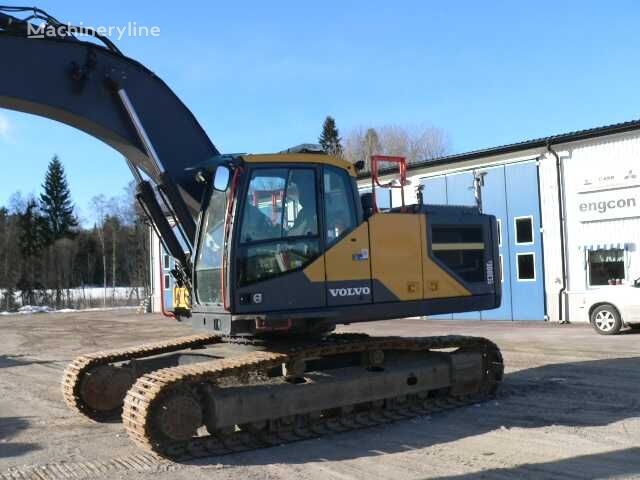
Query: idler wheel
[(178, 415), (103, 388)]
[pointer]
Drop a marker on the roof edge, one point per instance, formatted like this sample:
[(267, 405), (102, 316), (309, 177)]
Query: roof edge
[(520, 146)]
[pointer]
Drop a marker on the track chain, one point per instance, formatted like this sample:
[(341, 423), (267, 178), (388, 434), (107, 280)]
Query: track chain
[(149, 389), (82, 365)]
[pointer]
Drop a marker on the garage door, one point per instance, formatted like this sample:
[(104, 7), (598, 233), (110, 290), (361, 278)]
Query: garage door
[(460, 192), (525, 241), (494, 201), (511, 194)]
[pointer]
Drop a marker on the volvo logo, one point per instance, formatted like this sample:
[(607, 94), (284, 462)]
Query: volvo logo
[(256, 298), (349, 292)]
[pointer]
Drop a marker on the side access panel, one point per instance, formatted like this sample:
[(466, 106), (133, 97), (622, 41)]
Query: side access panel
[(396, 251), (348, 269), (437, 283)]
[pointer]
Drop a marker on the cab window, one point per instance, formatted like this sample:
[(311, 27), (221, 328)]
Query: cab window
[(279, 230), (339, 210)]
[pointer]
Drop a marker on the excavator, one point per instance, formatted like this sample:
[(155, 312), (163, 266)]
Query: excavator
[(275, 251)]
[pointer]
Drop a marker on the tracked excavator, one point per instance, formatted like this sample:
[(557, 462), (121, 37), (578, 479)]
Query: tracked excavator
[(276, 250)]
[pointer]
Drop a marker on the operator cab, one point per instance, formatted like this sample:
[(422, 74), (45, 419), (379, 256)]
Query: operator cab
[(283, 216), (284, 244)]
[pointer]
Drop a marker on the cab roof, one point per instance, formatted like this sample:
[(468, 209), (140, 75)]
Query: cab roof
[(301, 158)]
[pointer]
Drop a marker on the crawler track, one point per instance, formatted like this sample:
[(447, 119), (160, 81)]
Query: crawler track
[(82, 367), (144, 399)]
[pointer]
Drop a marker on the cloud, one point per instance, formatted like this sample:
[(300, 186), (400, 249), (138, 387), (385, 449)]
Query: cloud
[(5, 128)]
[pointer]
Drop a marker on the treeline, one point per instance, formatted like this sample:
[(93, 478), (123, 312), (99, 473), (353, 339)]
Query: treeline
[(415, 143), (48, 259)]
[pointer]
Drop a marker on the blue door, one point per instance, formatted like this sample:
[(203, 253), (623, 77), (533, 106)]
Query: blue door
[(167, 280), (460, 189), (525, 242), (434, 190), (494, 202), (460, 192)]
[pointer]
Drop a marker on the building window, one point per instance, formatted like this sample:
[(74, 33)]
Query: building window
[(499, 224), (167, 282), (526, 267), (167, 263), (606, 267), (524, 230)]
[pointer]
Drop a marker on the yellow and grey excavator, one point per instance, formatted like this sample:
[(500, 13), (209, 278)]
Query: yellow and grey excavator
[(280, 248)]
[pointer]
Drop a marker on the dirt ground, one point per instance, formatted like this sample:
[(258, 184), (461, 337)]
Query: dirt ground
[(569, 408)]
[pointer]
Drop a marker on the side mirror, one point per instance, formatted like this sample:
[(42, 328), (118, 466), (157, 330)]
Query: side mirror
[(366, 199), (221, 178), (636, 282)]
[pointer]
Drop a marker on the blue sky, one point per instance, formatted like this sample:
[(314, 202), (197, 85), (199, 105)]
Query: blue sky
[(261, 76)]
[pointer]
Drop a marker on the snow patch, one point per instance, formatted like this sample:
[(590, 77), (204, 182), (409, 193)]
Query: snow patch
[(30, 310)]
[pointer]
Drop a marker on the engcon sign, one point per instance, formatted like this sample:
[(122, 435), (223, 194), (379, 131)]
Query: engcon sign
[(608, 204)]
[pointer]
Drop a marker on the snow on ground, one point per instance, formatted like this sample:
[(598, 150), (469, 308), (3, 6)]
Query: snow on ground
[(31, 309), (95, 293), (78, 299)]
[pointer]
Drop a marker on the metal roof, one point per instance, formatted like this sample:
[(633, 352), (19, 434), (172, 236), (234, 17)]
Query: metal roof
[(524, 145)]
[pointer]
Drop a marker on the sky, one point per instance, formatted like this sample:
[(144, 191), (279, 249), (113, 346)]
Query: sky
[(262, 76)]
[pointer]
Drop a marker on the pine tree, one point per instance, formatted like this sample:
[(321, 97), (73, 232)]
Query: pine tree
[(330, 138), (33, 227), (56, 203)]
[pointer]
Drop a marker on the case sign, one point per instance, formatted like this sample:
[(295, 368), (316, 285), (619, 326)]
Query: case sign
[(609, 204), (614, 178)]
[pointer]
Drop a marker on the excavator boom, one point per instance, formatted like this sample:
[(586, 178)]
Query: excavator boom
[(98, 90)]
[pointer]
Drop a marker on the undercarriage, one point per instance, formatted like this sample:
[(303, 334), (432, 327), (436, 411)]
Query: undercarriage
[(210, 395)]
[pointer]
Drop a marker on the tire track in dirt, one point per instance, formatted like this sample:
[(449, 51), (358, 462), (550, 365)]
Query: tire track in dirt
[(141, 463)]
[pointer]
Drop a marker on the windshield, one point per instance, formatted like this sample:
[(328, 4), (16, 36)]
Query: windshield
[(209, 259)]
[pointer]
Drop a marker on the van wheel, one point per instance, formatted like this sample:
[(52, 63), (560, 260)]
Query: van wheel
[(606, 320)]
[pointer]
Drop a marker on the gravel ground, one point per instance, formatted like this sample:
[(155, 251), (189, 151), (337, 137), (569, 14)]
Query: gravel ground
[(569, 408)]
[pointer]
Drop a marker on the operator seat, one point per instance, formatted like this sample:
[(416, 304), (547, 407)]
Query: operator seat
[(306, 222)]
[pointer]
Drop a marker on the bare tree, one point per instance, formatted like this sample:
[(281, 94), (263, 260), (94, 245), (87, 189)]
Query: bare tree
[(99, 205), (416, 144)]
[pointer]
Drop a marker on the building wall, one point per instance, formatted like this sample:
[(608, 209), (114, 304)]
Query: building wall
[(163, 282), (154, 266), (551, 226), (594, 173)]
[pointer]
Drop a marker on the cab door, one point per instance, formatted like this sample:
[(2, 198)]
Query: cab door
[(347, 259), (279, 241)]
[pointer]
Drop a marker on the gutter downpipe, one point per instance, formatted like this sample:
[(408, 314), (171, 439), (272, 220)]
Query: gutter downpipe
[(561, 217)]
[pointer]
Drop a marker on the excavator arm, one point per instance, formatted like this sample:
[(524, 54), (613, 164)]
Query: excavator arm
[(98, 90)]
